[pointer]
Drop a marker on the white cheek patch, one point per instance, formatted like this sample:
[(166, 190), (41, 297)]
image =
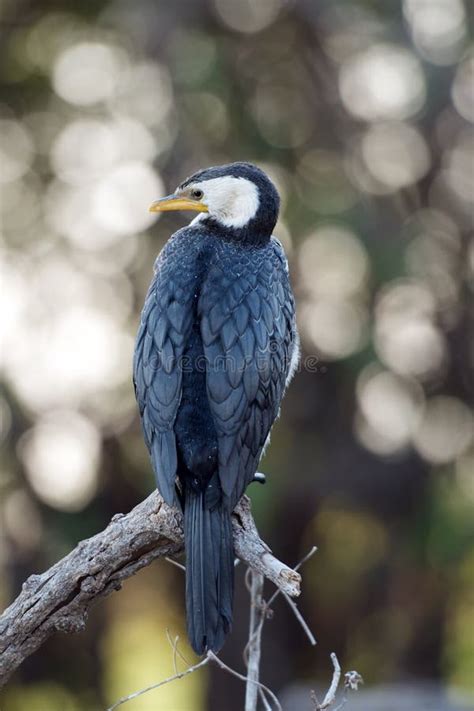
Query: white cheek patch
[(233, 201)]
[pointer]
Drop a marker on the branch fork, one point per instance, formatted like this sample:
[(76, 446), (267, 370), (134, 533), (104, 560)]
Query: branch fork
[(59, 599)]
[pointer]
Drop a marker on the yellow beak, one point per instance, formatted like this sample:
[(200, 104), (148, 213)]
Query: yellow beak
[(175, 202)]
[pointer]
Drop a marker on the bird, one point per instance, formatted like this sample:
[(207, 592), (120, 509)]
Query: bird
[(216, 348)]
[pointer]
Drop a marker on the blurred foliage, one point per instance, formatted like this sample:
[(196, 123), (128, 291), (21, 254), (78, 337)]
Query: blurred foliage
[(362, 113)]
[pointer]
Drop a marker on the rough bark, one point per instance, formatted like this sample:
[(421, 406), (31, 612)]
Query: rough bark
[(59, 599)]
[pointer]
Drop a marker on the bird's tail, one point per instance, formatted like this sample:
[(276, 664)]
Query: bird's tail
[(209, 569)]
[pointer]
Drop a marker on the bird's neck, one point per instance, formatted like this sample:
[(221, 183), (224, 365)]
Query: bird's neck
[(252, 234), (249, 234)]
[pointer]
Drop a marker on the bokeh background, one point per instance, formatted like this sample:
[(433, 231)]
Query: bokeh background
[(362, 112)]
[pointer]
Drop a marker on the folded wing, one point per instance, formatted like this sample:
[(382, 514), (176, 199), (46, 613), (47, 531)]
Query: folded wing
[(249, 339), (166, 322)]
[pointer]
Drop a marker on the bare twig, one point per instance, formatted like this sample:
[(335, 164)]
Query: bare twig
[(306, 557), (257, 613), (210, 656), (180, 675), (342, 703), (175, 563), (352, 680), (180, 654), (59, 599), (264, 688), (263, 698), (301, 620), (331, 692), (297, 567), (268, 604), (174, 647)]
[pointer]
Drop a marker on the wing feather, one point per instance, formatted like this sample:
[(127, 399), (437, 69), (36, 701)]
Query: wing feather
[(249, 334), (166, 322)]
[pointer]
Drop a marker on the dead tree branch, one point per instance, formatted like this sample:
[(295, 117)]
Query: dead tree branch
[(59, 599), (254, 582), (260, 610)]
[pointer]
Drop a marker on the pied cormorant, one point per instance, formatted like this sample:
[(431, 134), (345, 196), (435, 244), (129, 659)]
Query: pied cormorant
[(216, 347)]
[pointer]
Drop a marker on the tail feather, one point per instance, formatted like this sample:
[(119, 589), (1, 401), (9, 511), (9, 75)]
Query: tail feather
[(209, 572)]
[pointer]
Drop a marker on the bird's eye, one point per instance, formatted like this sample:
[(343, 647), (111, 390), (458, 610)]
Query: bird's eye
[(197, 194)]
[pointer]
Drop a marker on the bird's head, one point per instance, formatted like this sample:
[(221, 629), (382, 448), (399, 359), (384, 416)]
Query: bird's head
[(237, 199)]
